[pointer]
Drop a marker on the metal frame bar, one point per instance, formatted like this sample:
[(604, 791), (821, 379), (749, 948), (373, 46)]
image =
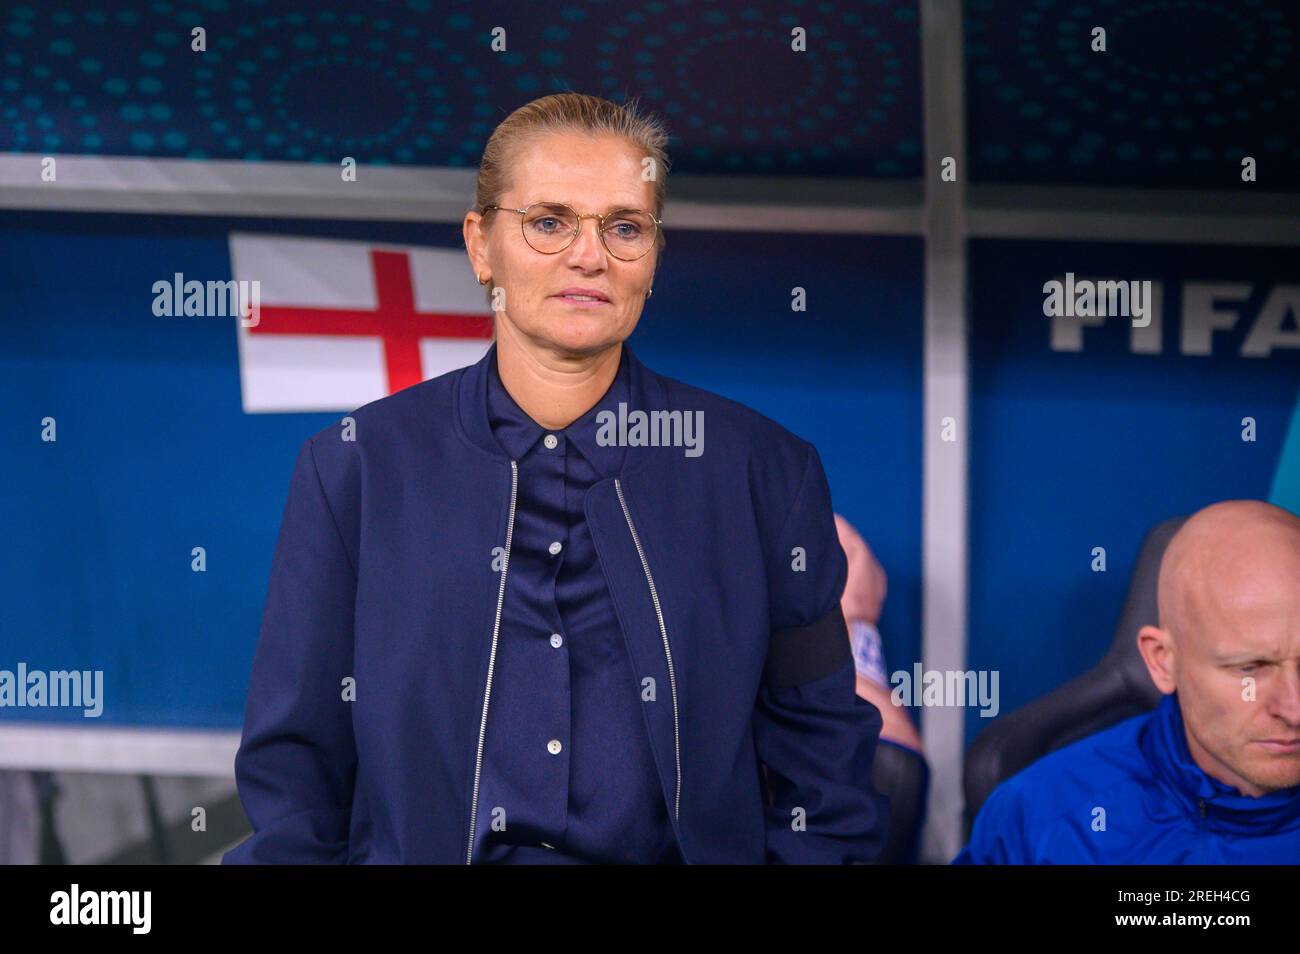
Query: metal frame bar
[(59, 748), (944, 523), (859, 206)]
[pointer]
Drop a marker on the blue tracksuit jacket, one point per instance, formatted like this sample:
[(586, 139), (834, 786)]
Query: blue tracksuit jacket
[(1159, 807), (371, 691)]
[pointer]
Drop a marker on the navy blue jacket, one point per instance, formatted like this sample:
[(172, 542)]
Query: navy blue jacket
[(371, 690), (1160, 808)]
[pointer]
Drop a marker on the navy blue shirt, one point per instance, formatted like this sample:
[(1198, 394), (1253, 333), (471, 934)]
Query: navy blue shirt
[(568, 775)]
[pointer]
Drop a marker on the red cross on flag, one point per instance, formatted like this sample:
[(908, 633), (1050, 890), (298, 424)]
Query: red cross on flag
[(341, 324)]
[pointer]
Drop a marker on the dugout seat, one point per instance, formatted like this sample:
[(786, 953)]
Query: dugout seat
[(1115, 689)]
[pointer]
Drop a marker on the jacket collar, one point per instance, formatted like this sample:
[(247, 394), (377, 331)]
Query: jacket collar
[(644, 389), (1164, 743)]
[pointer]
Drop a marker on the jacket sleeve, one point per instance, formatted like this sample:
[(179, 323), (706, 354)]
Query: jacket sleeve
[(813, 733), (296, 763)]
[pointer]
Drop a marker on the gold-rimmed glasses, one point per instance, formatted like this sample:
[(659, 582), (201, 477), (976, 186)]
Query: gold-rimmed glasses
[(551, 227)]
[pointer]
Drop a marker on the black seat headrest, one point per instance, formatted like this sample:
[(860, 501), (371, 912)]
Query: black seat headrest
[(1113, 690)]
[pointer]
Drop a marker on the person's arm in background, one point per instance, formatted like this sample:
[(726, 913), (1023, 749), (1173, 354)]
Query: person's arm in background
[(900, 770), (864, 596), (296, 763), (815, 736)]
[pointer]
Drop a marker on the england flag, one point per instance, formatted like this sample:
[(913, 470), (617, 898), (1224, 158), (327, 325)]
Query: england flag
[(339, 324)]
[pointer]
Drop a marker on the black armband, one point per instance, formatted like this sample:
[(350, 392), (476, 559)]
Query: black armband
[(800, 654)]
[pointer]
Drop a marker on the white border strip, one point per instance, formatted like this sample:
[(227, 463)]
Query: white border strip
[(180, 186), (1133, 215), (304, 190), (725, 203), (945, 487), (53, 748)]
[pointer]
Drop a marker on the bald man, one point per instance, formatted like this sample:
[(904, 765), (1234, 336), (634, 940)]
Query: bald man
[(1212, 774)]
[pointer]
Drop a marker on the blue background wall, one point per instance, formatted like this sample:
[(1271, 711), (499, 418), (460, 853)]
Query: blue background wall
[(155, 454), (1074, 450)]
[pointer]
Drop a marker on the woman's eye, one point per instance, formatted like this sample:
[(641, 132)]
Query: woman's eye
[(1249, 667)]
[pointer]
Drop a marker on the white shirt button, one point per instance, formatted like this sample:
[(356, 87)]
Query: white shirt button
[(557, 640), (555, 547), (550, 441), (554, 746)]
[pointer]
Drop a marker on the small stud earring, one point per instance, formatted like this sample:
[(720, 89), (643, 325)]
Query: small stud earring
[(650, 292)]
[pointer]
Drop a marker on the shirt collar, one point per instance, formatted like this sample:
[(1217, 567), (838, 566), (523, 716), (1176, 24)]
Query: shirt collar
[(518, 434), (469, 409), (1165, 744)]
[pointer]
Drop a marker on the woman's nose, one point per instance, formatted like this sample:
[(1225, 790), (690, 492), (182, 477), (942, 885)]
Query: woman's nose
[(587, 247)]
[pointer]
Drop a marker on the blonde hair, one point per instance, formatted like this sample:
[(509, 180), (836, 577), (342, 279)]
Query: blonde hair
[(570, 113)]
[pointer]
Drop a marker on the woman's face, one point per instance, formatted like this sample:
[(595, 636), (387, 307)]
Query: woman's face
[(590, 175)]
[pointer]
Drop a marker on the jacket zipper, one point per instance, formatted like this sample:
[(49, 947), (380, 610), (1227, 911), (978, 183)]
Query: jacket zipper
[(668, 653), (492, 659)]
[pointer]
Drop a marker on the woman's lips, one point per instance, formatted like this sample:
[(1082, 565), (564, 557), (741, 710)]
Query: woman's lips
[(578, 302)]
